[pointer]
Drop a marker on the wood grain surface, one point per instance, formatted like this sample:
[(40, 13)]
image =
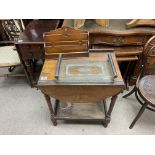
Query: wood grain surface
[(79, 92)]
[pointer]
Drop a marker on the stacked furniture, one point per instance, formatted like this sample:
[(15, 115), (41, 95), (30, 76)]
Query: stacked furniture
[(127, 43), (10, 30), (30, 45), (79, 79), (145, 86)]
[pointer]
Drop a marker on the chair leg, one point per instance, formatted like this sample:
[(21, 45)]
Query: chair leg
[(138, 115), (131, 92)]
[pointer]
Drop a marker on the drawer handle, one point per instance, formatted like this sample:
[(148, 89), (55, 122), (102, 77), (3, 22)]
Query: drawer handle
[(118, 40)]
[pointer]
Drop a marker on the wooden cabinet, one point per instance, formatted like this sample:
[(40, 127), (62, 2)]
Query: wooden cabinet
[(127, 43), (30, 44), (117, 40), (29, 51)]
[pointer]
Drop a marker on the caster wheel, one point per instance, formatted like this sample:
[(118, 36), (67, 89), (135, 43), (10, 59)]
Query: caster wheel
[(10, 69)]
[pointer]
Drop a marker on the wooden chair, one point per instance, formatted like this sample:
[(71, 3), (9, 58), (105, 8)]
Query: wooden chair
[(145, 86), (68, 41), (10, 30)]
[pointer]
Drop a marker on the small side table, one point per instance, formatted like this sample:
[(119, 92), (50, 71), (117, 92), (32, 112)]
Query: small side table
[(80, 87)]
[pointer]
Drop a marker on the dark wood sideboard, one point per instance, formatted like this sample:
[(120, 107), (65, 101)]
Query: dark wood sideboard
[(30, 45)]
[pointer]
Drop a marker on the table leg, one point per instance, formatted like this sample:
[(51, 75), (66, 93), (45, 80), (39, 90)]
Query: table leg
[(30, 73), (108, 115), (24, 66), (26, 72), (56, 106), (105, 107), (126, 75), (48, 100)]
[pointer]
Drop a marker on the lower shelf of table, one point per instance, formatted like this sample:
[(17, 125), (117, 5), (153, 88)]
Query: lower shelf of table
[(80, 111)]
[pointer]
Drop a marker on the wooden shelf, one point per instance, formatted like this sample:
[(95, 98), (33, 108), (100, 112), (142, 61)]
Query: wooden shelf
[(83, 111)]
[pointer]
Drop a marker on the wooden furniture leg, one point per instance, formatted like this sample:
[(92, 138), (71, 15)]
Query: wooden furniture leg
[(56, 106), (34, 62), (105, 107), (128, 72), (131, 92), (138, 115), (23, 63), (32, 71), (48, 100), (108, 115), (126, 75), (29, 70)]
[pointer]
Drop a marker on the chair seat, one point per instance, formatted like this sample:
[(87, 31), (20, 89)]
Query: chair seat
[(8, 56), (147, 88)]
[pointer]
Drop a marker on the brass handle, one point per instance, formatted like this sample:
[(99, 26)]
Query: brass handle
[(58, 66), (112, 65)]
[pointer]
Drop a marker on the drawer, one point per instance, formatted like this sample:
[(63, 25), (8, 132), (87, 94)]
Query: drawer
[(31, 51), (118, 40), (123, 50)]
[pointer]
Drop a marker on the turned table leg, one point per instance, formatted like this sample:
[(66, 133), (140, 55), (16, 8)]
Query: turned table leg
[(105, 107), (48, 100), (108, 115)]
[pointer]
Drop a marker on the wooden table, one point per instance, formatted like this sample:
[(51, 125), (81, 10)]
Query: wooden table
[(30, 45), (80, 93)]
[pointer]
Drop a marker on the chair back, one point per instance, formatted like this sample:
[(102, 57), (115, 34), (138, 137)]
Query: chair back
[(148, 59), (65, 40), (12, 28)]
